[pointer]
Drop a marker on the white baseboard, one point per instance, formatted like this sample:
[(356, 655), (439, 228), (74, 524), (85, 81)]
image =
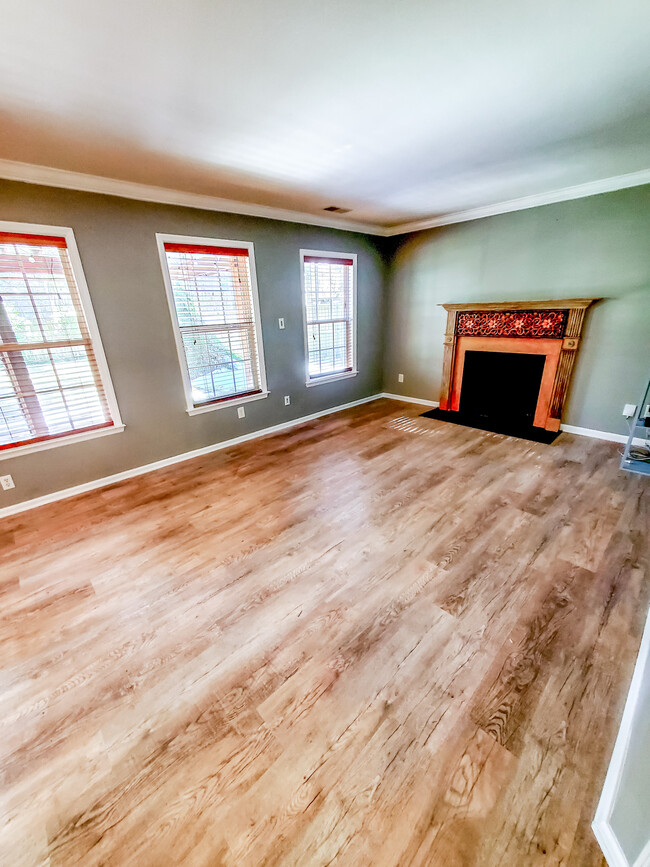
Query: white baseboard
[(407, 399), (607, 839), (609, 845), (644, 858), (174, 459), (599, 434), (186, 456), (568, 428)]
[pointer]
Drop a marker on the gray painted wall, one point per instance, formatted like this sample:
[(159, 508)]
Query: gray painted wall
[(598, 246), (116, 240)]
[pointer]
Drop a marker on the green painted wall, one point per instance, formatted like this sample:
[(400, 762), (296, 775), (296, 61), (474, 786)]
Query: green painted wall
[(598, 246), (117, 245)]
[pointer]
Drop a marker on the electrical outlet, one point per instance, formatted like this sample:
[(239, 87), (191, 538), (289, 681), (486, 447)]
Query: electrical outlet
[(629, 409), (400, 377), (241, 412), (287, 399), (281, 322), (7, 483)]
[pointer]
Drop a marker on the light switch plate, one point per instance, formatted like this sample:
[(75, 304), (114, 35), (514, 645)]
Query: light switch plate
[(281, 322), (400, 377)]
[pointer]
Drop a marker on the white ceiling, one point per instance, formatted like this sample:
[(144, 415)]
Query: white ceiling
[(401, 111)]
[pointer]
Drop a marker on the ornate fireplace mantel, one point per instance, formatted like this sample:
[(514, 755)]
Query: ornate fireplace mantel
[(550, 328)]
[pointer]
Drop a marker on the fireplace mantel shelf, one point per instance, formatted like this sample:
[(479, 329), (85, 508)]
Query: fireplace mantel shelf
[(554, 334), (557, 304)]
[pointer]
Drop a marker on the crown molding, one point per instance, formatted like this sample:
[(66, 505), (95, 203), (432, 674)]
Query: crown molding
[(566, 194), (33, 174), (50, 177)]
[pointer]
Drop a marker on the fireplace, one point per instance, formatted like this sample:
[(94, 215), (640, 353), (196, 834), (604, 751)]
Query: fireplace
[(507, 366), (521, 374)]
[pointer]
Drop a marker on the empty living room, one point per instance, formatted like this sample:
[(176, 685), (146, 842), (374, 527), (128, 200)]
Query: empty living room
[(324, 433)]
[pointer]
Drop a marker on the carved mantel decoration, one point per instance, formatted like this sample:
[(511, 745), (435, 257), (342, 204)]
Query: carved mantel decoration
[(550, 328)]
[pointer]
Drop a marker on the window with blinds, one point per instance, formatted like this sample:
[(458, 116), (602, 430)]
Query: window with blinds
[(329, 305), (214, 308), (50, 381)]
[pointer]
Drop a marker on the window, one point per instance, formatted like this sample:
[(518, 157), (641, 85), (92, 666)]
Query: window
[(54, 382), (213, 301), (329, 303)]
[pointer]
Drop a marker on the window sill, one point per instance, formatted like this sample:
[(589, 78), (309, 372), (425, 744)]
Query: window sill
[(234, 401), (5, 454), (321, 380)]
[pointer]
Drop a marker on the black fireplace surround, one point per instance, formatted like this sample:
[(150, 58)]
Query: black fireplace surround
[(511, 409)]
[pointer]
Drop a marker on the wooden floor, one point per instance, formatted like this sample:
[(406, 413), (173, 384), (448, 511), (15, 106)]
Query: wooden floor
[(375, 639)]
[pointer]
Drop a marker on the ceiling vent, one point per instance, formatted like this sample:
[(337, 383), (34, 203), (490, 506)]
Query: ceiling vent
[(334, 209)]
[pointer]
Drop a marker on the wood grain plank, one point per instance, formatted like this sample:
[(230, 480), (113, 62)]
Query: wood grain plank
[(376, 639)]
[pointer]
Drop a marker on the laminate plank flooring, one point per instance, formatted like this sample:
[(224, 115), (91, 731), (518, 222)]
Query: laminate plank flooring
[(374, 639)]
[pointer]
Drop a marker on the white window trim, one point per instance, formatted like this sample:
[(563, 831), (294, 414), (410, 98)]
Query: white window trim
[(346, 374), (95, 337), (208, 407), (62, 440), (161, 240), (321, 380)]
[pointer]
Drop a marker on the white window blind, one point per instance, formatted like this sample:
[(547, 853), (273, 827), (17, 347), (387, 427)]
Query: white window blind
[(50, 383), (215, 314), (328, 283)]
